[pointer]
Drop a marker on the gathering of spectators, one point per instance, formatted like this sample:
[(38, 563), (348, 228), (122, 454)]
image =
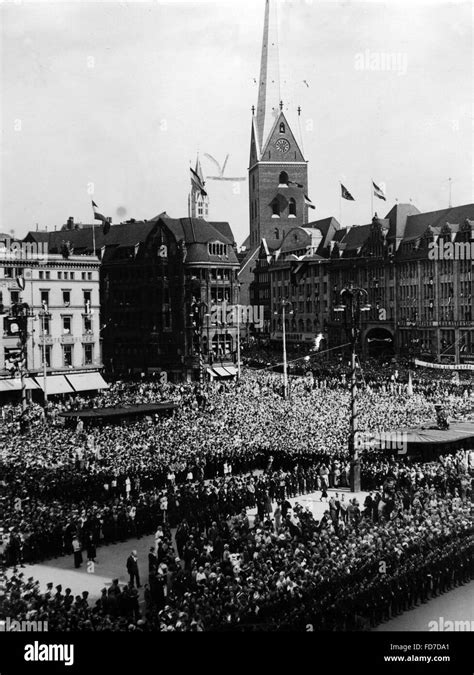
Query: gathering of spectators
[(197, 474)]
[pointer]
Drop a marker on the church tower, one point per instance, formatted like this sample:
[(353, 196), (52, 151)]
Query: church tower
[(278, 172), (198, 200)]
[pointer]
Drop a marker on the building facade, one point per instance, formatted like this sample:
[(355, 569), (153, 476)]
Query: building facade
[(61, 291), (417, 269)]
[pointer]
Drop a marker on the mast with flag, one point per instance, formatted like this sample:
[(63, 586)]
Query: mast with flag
[(344, 194), (105, 222), (379, 193)]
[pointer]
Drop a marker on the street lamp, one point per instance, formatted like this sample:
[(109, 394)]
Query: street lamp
[(354, 300), (199, 311), (284, 304), (44, 314), (18, 320)]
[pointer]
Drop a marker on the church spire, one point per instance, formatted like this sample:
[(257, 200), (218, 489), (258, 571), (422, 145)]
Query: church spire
[(269, 83)]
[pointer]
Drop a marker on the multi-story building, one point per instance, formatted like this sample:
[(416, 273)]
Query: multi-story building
[(61, 289), (168, 287), (166, 298), (295, 272), (417, 269)]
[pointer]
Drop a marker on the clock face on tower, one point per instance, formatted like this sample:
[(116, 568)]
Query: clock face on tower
[(282, 145)]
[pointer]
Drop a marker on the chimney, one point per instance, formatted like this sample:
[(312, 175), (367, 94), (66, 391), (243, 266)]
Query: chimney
[(70, 223)]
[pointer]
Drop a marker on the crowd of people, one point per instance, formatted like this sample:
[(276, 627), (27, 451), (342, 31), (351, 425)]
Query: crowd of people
[(243, 446)]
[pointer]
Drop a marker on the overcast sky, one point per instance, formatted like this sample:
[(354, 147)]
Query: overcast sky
[(122, 95)]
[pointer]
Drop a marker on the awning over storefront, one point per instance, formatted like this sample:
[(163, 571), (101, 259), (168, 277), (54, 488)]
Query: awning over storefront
[(232, 370), (220, 371), (56, 384), (15, 385), (87, 381)]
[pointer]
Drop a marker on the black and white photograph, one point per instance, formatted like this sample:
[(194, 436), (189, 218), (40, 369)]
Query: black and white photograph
[(237, 345)]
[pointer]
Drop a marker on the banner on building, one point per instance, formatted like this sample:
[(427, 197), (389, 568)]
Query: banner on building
[(445, 366)]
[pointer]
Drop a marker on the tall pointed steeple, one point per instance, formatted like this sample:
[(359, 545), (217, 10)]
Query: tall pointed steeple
[(269, 83), (278, 171), (198, 200)]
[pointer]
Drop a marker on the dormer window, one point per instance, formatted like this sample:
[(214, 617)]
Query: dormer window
[(216, 248), (283, 180), (282, 128)]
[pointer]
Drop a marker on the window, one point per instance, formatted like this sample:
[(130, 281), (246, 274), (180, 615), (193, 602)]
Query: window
[(275, 209), (277, 233), (217, 249), (71, 275), (47, 275), (67, 323), (87, 298), (40, 274), (89, 276), (292, 208), (66, 298), (60, 275), (14, 296), (88, 354), (8, 272), (87, 325), (45, 298), (67, 355), (282, 128), (83, 276), (283, 180)]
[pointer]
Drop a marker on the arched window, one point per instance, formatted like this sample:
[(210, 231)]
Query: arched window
[(277, 233), (282, 128), (292, 208), (275, 209), (283, 180)]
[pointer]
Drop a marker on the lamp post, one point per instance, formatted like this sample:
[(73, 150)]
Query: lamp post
[(354, 300), (199, 311), (44, 314), (284, 304), (238, 342), (19, 315)]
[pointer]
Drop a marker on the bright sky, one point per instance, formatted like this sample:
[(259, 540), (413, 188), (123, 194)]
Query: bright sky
[(121, 96)]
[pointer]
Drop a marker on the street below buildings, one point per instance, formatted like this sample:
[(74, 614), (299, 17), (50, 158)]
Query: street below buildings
[(456, 605)]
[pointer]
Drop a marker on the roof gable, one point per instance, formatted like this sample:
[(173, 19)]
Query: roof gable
[(294, 154)]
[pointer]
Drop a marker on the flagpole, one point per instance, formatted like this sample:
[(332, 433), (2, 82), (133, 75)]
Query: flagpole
[(340, 205), (371, 200), (93, 236)]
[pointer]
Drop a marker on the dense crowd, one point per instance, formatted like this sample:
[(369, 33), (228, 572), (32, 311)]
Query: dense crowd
[(243, 446)]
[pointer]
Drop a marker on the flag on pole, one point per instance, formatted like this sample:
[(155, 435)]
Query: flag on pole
[(345, 194), (308, 202), (97, 215), (378, 192), (197, 182)]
